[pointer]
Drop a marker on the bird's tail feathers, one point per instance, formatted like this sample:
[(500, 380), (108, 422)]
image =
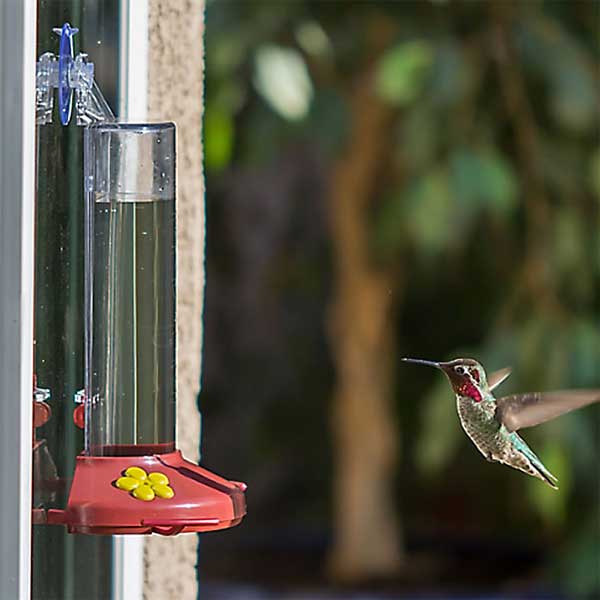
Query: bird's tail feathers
[(546, 476), (537, 465)]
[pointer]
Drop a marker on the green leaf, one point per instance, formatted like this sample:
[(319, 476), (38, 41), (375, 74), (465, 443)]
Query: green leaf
[(574, 101), (402, 72), (218, 137), (313, 39), (429, 216), (421, 212), (484, 177)]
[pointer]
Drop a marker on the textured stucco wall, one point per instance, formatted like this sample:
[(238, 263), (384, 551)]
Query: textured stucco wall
[(175, 86)]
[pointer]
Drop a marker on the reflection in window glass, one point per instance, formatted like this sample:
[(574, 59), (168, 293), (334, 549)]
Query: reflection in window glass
[(65, 566)]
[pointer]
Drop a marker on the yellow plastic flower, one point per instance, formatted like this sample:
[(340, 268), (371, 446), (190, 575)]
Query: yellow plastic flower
[(145, 486)]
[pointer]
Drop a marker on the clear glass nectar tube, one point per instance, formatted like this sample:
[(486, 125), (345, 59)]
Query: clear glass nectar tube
[(130, 381)]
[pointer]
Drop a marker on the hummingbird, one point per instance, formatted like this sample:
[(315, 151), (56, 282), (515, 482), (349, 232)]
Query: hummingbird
[(492, 423)]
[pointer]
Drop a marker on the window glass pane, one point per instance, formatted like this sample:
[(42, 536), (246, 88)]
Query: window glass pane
[(66, 566)]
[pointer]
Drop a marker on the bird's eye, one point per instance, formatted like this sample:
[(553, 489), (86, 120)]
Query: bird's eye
[(460, 370)]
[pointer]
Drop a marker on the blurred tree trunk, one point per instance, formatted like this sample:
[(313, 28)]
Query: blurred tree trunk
[(367, 540)]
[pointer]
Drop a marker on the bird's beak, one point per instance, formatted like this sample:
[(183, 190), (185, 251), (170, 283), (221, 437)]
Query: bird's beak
[(429, 363)]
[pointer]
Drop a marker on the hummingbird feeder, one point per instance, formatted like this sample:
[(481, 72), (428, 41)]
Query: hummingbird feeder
[(130, 477)]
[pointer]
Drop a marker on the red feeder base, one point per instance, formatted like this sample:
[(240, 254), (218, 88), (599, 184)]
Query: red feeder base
[(192, 500)]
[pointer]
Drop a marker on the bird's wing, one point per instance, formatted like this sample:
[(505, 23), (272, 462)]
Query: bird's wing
[(526, 410), (497, 377)]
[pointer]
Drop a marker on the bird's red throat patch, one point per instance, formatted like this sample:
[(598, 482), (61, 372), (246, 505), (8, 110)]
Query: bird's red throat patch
[(469, 390)]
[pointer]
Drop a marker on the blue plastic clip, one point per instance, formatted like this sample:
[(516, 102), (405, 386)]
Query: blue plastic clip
[(65, 60), (70, 75)]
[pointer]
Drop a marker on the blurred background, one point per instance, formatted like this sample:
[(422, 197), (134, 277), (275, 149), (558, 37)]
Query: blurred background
[(389, 179)]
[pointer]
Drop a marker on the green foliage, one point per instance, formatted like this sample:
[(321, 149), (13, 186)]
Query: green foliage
[(580, 438), (453, 75), (313, 39), (440, 206), (468, 177), (327, 121), (218, 137), (484, 180), (535, 333), (551, 504), (421, 212), (584, 352), (580, 560), (419, 141), (388, 233), (402, 72), (565, 68), (428, 211), (594, 176), (570, 255)]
